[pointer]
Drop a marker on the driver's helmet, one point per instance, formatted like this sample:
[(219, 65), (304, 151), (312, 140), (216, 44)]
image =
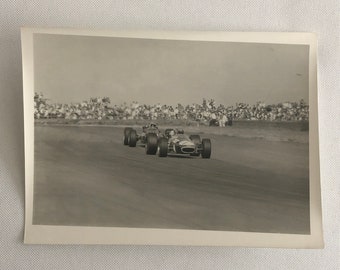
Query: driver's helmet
[(153, 125), (180, 131)]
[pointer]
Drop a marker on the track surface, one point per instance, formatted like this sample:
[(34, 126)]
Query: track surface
[(85, 176)]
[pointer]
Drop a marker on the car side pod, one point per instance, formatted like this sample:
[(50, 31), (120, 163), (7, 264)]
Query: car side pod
[(206, 148), (163, 147)]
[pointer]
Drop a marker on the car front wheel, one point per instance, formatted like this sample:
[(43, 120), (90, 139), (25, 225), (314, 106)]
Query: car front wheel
[(163, 147), (133, 138), (151, 144), (206, 148), (126, 135)]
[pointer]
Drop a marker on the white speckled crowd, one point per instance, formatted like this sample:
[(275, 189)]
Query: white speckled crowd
[(101, 108)]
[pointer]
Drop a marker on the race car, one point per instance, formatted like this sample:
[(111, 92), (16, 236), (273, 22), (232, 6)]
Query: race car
[(148, 137), (175, 141)]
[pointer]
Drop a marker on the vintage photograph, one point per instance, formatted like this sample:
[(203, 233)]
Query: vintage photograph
[(167, 133)]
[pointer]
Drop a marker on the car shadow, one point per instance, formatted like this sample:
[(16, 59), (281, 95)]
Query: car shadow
[(179, 156)]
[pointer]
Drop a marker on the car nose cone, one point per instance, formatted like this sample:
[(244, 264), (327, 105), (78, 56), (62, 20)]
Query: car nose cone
[(188, 149), (186, 143)]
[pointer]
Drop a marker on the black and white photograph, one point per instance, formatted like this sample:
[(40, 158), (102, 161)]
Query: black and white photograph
[(166, 137)]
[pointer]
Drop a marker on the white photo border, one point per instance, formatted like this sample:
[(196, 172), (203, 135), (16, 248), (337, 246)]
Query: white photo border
[(47, 234)]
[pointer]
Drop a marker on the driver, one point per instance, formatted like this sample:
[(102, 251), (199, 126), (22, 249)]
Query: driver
[(180, 131), (145, 128), (172, 133), (153, 128), (153, 125)]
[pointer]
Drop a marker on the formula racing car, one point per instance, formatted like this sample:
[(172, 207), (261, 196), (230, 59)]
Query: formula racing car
[(148, 137), (176, 142)]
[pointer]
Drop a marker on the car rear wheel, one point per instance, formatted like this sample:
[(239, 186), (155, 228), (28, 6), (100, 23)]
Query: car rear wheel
[(126, 135), (196, 139), (151, 144), (163, 147), (133, 138), (206, 151)]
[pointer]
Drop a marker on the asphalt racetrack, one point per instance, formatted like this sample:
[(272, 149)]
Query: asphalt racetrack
[(85, 176)]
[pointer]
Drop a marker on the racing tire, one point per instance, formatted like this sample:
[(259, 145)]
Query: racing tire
[(196, 139), (151, 144), (133, 138), (126, 135), (206, 151), (163, 147)]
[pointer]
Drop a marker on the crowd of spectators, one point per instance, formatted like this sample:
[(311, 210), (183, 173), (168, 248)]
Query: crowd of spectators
[(101, 108)]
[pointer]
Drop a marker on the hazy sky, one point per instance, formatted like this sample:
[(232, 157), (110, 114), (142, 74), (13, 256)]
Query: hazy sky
[(75, 68)]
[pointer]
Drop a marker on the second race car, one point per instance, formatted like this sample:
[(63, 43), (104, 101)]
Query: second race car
[(149, 138)]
